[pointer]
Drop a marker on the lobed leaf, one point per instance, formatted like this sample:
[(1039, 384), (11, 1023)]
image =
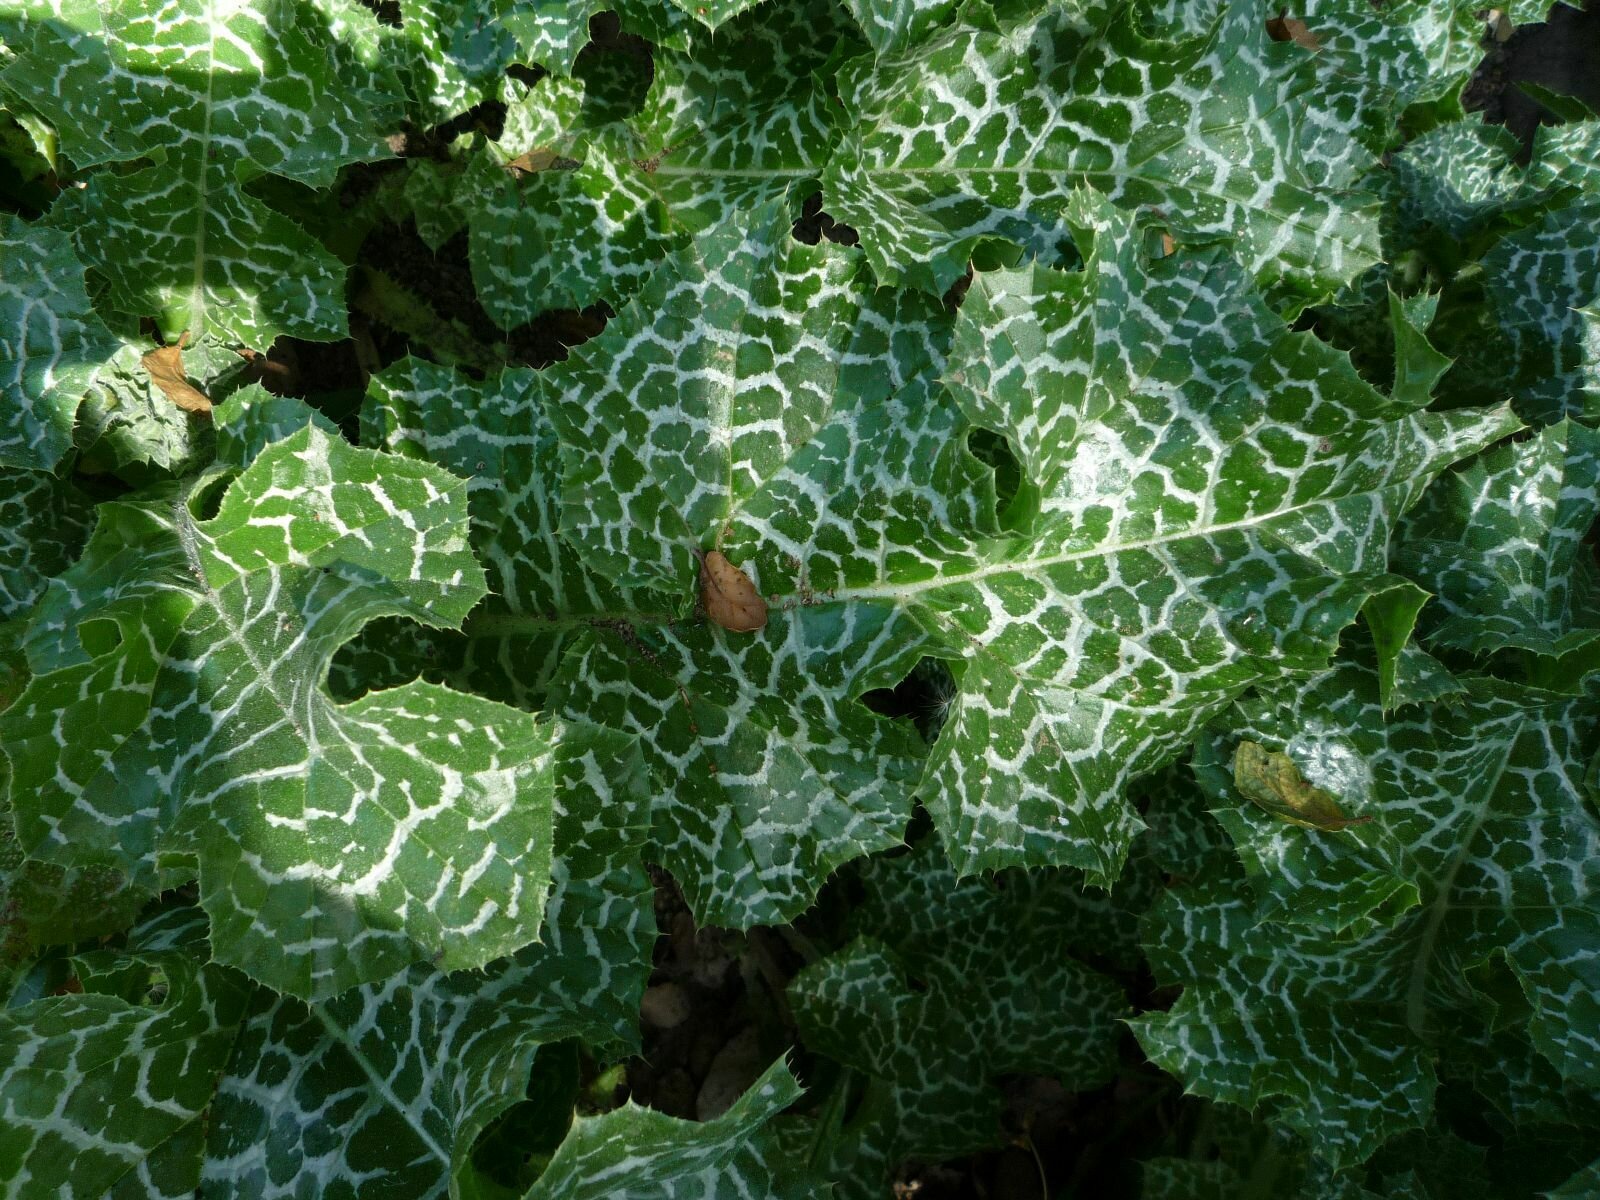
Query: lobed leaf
[(1500, 542), (987, 133), (1317, 995), (176, 715), (53, 344)]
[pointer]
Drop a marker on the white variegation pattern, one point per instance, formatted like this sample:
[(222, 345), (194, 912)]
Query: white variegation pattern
[(1402, 52), (1501, 544), (176, 709), (723, 368), (414, 1068), (743, 119), (1221, 510), (451, 54), (583, 227), (1539, 280), (895, 25), (647, 1155), (768, 775), (1206, 516), (51, 343), (43, 523), (542, 596), (212, 92), (554, 32), (103, 1091), (42, 904), (987, 133), (1318, 996), (997, 989)]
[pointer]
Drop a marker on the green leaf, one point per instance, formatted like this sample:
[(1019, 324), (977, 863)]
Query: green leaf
[(769, 776), (1501, 543), (175, 716), (987, 133), (416, 1067), (689, 404), (542, 596), (637, 1154), (1407, 674), (1583, 1183), (581, 227), (554, 32), (551, 32), (127, 424), (1317, 997), (893, 26), (1418, 366), (1524, 330), (996, 992), (744, 119), (712, 13), (1385, 58), (408, 1074), (42, 904), (251, 419), (208, 95), (43, 523), (107, 1086), (52, 347), (451, 54), (1180, 445)]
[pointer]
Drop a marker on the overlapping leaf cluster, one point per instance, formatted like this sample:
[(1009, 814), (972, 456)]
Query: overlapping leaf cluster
[(1167, 376)]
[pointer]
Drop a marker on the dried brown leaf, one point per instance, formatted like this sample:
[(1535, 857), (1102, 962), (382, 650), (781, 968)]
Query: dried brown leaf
[(165, 367), (532, 161), (1292, 29), (1271, 780), (728, 596)]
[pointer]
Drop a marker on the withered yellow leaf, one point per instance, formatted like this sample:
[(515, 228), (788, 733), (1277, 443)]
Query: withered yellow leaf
[(1273, 782), (728, 596), (165, 366)]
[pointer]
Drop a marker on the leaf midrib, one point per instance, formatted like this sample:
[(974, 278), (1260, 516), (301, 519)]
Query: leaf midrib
[(1416, 992)]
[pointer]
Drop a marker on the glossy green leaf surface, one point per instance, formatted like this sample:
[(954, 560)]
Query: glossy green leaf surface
[(1501, 544), (53, 344), (740, 589), (1379, 936), (985, 132), (206, 645)]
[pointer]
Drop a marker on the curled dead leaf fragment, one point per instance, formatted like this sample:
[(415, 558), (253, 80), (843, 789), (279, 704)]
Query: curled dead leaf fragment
[(728, 596), (1271, 781), (1292, 29), (1500, 25), (165, 367), (531, 162)]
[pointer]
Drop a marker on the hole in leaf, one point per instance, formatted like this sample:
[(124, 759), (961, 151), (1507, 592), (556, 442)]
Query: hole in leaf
[(616, 70), (813, 225), (957, 292), (99, 635), (996, 453), (387, 12), (156, 989), (924, 696)]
